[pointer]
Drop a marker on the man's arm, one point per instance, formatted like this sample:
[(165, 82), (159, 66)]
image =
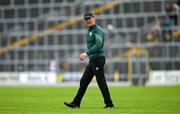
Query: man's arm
[(98, 44)]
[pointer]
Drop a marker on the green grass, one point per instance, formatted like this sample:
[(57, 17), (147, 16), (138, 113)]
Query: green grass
[(128, 100)]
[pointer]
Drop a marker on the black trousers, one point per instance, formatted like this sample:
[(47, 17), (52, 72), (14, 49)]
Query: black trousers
[(95, 67)]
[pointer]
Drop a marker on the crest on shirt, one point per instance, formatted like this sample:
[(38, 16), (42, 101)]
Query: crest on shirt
[(90, 33)]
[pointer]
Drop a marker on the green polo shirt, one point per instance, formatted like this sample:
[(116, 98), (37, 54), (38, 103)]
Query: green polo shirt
[(95, 42)]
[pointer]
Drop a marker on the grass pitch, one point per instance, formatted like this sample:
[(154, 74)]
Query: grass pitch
[(127, 100)]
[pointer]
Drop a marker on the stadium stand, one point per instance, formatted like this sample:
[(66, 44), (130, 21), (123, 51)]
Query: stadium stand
[(35, 32)]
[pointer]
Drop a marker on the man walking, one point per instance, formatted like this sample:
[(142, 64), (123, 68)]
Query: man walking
[(95, 53)]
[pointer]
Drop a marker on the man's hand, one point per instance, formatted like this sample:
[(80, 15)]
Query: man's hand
[(83, 56)]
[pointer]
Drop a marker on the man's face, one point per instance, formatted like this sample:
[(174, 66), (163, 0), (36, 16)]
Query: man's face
[(89, 21)]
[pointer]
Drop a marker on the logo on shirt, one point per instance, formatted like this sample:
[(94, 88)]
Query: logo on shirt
[(90, 33)]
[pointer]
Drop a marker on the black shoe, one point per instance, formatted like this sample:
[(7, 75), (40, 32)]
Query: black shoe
[(109, 106), (71, 105)]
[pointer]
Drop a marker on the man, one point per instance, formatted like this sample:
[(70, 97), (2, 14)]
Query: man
[(95, 53)]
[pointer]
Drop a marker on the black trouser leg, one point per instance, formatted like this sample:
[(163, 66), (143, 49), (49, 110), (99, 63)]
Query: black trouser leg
[(84, 82), (104, 89), (98, 69)]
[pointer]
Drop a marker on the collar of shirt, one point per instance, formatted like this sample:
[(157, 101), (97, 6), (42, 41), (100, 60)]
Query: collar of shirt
[(92, 27)]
